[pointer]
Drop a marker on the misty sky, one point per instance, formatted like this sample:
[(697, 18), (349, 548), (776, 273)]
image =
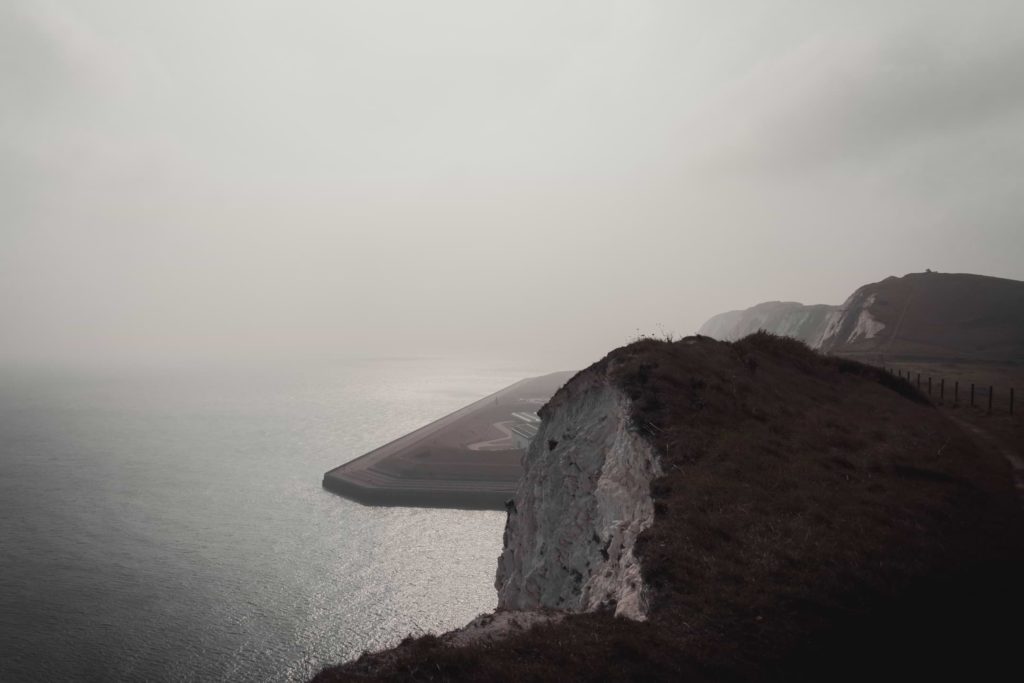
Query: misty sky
[(530, 180)]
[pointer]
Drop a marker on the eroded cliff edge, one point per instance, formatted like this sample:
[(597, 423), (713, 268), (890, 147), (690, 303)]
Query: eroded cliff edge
[(584, 500)]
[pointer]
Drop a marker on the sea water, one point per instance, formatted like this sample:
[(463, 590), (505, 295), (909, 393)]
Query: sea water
[(170, 525)]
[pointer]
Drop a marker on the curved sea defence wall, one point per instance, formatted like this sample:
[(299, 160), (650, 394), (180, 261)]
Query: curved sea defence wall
[(436, 465)]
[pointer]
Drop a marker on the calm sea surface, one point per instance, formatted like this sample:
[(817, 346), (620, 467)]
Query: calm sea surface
[(171, 525)]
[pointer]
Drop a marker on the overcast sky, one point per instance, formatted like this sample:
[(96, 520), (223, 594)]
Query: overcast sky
[(530, 180)]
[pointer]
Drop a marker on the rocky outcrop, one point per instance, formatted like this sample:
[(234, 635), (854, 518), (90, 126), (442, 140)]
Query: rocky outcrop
[(585, 498)]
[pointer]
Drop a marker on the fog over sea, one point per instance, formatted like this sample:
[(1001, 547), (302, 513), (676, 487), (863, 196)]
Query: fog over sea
[(170, 525)]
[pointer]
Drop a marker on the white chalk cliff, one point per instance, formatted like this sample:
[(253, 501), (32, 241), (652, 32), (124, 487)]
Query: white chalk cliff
[(786, 318), (583, 501), (852, 322), (822, 327)]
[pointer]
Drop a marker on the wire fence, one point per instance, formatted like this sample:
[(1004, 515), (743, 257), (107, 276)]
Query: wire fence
[(956, 392)]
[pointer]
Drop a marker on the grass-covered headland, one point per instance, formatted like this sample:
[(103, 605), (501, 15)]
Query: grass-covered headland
[(817, 520)]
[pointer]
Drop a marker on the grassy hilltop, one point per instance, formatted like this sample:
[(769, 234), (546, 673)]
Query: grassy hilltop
[(818, 519)]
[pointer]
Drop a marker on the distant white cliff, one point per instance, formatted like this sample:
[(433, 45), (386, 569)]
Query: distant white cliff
[(919, 315), (851, 322), (820, 326), (787, 318), (584, 500)]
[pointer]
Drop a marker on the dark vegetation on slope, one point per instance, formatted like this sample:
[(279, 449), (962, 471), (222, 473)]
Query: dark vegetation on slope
[(817, 520)]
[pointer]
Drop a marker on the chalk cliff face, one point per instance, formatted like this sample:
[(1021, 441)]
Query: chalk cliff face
[(584, 500), (820, 326), (855, 321), (786, 318)]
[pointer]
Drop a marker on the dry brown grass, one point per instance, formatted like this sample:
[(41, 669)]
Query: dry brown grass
[(817, 520)]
